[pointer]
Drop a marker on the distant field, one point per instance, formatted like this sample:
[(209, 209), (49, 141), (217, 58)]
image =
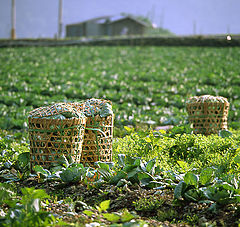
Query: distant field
[(145, 84)]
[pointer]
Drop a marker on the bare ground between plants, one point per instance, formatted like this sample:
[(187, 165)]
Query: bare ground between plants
[(66, 202)]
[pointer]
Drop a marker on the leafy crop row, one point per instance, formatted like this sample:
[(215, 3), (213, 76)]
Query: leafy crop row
[(194, 168), (136, 153), (194, 150), (146, 84)]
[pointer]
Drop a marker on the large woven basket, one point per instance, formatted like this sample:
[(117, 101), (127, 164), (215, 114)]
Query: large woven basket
[(52, 138), (98, 136), (208, 114)]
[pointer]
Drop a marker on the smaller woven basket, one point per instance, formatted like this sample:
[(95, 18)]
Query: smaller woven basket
[(98, 136), (55, 131), (208, 114), (97, 145)]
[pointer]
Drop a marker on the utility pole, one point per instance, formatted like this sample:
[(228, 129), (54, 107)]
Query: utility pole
[(13, 29), (60, 19)]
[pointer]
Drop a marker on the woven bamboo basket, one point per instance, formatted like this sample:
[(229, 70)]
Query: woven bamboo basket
[(52, 138), (98, 136), (208, 114), (97, 145)]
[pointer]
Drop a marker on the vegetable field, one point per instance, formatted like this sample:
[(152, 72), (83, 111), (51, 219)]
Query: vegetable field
[(156, 177), (146, 84)]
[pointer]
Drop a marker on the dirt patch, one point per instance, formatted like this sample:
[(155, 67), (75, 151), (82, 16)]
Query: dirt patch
[(156, 207)]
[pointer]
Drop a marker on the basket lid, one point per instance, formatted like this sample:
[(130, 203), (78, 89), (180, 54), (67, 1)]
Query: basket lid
[(56, 111), (207, 99)]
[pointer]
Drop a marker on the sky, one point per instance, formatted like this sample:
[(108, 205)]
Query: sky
[(39, 18)]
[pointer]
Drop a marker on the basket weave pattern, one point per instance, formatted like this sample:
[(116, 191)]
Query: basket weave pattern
[(96, 145), (208, 118), (51, 137)]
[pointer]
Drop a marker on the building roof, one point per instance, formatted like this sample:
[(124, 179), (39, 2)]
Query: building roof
[(100, 19), (119, 18), (110, 20)]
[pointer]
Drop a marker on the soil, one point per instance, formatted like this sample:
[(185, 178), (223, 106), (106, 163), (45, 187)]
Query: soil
[(156, 207)]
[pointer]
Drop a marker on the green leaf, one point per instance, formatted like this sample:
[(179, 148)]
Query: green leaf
[(183, 165), (120, 175), (237, 159), (145, 182), (126, 216), (89, 213), (6, 192), (133, 175), (97, 130), (225, 133), (130, 160), (40, 169), (34, 193), (11, 203), (179, 190), (206, 176), (137, 162), (128, 129), (150, 166), (191, 179), (27, 191), (192, 195), (133, 172), (104, 205), (121, 160), (71, 174), (107, 176), (237, 198), (143, 175), (219, 195), (39, 194), (128, 168), (23, 160), (106, 110), (111, 217), (105, 165), (63, 161), (227, 186), (148, 140), (122, 183)]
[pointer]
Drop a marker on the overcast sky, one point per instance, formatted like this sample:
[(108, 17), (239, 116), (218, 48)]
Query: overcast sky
[(38, 18)]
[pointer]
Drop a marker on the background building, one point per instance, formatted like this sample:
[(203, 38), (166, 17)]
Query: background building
[(107, 26)]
